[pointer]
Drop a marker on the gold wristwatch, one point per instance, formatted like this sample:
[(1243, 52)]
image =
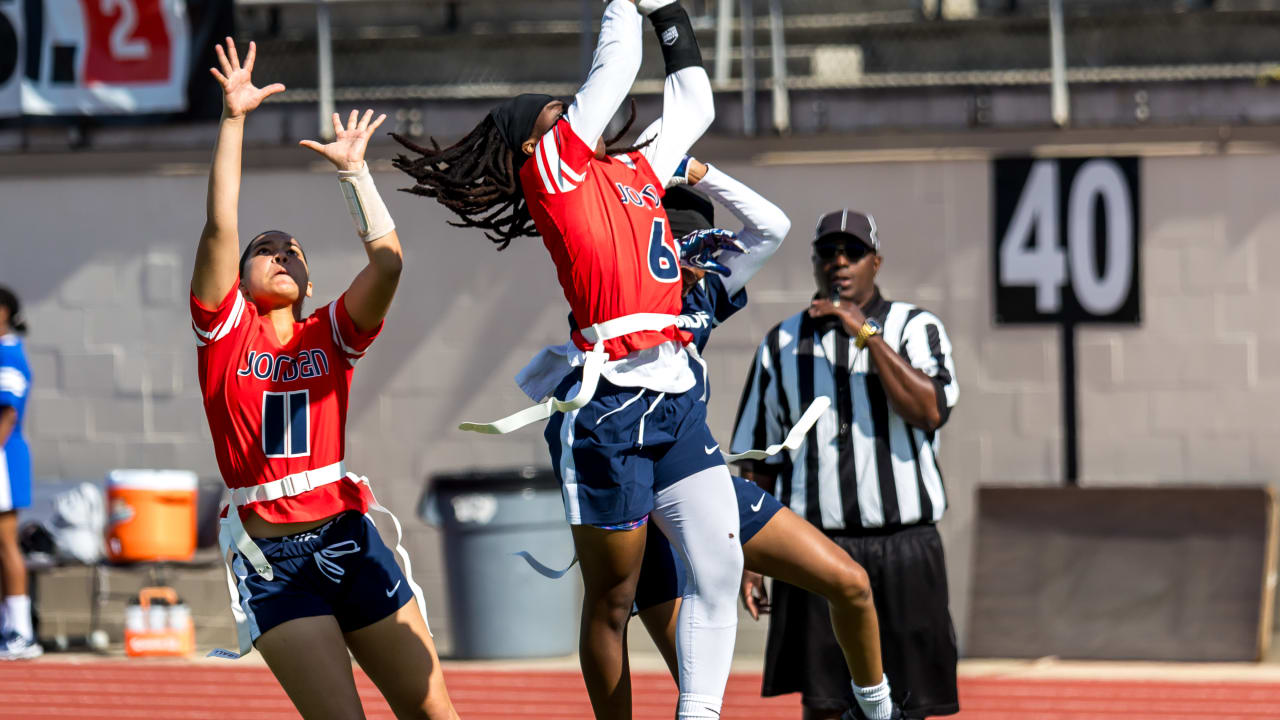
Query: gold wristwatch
[(869, 329)]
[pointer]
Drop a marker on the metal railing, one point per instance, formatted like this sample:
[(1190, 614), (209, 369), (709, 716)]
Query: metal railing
[(812, 45)]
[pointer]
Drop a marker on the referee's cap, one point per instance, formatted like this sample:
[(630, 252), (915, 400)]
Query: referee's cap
[(849, 222)]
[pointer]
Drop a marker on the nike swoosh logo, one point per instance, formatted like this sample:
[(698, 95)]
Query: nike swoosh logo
[(759, 503), (712, 449), (392, 591)]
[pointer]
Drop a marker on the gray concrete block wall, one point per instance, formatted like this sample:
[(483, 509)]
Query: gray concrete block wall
[(1184, 397)]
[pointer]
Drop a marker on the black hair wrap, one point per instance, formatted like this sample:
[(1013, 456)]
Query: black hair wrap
[(515, 119)]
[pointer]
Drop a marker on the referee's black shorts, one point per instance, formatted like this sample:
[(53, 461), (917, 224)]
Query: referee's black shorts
[(917, 639)]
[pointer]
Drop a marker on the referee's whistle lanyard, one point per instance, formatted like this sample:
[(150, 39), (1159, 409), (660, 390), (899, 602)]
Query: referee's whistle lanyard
[(235, 543)]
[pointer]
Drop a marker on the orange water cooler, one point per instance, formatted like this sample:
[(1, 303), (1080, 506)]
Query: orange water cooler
[(151, 515)]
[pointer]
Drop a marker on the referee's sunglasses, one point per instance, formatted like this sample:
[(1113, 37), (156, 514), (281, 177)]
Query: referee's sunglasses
[(852, 248)]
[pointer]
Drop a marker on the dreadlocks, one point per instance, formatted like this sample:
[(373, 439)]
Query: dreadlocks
[(475, 178), (479, 181)]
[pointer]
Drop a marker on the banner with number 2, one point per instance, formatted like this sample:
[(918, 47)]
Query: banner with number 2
[(93, 57)]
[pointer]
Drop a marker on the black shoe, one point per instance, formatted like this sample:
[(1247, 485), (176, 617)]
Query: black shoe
[(855, 713)]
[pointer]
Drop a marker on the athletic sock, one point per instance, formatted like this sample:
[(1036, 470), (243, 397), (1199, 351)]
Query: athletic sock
[(701, 707), (17, 615), (874, 701)]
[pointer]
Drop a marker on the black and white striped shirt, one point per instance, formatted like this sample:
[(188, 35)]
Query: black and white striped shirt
[(862, 466)]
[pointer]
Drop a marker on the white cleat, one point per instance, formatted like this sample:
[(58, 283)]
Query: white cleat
[(16, 647)]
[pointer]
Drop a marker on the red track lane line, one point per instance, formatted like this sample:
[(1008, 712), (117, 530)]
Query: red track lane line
[(145, 698), (184, 692), (1139, 689), (1049, 715), (1018, 695), (1127, 705)]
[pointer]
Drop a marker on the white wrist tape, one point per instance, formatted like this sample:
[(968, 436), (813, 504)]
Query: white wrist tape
[(366, 206)]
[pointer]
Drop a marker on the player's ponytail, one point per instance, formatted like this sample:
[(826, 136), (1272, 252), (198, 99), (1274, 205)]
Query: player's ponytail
[(476, 178)]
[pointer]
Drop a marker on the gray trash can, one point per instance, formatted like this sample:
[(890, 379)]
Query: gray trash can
[(499, 606)]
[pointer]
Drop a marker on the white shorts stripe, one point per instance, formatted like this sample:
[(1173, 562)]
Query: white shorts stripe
[(568, 471), (242, 572), (6, 489)]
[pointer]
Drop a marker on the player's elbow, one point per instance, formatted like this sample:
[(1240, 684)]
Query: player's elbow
[(929, 420), (775, 224), (388, 262)]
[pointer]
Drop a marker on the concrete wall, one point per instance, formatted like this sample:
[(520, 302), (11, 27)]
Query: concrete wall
[(102, 262)]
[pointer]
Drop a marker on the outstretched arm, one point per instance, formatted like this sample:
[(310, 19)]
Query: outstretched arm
[(215, 269), (370, 293), (613, 72)]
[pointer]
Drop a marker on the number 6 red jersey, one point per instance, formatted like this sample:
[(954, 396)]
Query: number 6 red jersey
[(277, 409), (605, 227)]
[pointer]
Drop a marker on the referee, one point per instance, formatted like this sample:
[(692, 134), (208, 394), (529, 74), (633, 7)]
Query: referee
[(867, 474)]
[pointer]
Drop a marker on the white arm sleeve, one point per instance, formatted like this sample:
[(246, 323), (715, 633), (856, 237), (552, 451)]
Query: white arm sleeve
[(764, 226), (688, 107), (613, 71)]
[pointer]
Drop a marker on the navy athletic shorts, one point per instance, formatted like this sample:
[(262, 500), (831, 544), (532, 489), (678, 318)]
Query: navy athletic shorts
[(341, 568), (613, 454), (662, 573)]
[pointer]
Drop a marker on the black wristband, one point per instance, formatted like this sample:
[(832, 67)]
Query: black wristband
[(675, 37)]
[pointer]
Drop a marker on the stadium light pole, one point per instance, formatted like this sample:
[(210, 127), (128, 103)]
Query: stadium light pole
[(778, 47), (324, 58), (585, 45), (1058, 66), (724, 30), (748, 44)]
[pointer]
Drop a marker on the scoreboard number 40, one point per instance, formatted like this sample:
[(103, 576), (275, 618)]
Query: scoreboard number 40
[(1067, 246)]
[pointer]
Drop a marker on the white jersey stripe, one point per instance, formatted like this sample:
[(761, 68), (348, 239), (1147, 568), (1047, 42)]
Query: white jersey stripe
[(219, 331), (12, 381), (539, 158), (827, 435)]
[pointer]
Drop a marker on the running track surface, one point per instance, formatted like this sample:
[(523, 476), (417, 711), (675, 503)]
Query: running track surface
[(125, 690)]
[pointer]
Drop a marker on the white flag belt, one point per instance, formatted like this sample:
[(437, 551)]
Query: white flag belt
[(794, 439), (591, 369), (231, 534)]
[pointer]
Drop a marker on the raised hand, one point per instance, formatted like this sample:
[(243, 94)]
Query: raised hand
[(346, 151), (239, 96), (697, 249)]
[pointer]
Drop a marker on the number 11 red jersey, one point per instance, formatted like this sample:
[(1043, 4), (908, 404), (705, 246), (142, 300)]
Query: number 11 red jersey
[(275, 408), (605, 227)]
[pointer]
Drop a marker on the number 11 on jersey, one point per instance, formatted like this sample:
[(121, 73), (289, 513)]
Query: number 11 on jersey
[(285, 424)]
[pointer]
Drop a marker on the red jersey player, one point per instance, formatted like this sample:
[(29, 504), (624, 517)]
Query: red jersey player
[(310, 578), (626, 437)]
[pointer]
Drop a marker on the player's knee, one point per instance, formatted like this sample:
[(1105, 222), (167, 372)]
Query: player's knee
[(718, 580), (851, 586), (612, 607)]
